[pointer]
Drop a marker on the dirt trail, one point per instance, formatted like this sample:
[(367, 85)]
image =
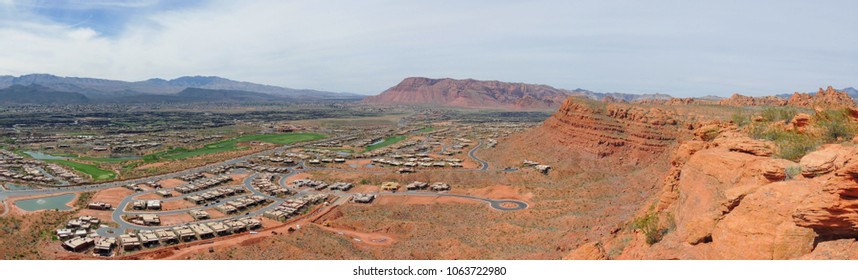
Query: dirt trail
[(369, 238), (5, 208)]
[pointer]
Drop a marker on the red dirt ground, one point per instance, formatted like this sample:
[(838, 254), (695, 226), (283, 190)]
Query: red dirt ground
[(373, 239), (497, 192), (171, 183), (420, 200), (177, 204), (214, 214), (112, 195), (176, 219)]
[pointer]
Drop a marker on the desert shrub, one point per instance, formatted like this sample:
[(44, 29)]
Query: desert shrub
[(777, 114), (836, 125), (791, 145), (83, 199), (648, 224), (792, 171), (711, 134), (740, 119)]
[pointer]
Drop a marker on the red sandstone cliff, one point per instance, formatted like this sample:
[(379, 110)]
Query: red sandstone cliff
[(604, 129)]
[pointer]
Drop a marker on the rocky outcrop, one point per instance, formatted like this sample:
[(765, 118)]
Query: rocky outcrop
[(761, 226), (832, 212), (472, 94), (827, 98), (713, 182), (745, 144), (602, 130), (741, 100), (728, 203), (817, 163), (588, 251)]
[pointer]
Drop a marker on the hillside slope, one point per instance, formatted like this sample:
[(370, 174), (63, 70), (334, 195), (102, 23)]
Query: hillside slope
[(471, 93), (35, 94)]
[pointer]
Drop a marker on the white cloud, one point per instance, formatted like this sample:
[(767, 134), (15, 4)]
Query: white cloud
[(367, 46)]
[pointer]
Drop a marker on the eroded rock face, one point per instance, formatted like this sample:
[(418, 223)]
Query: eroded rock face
[(774, 170), (712, 183), (824, 160), (738, 142), (761, 226), (840, 249), (669, 190), (800, 120), (603, 129), (741, 100), (827, 98), (587, 251), (834, 211)]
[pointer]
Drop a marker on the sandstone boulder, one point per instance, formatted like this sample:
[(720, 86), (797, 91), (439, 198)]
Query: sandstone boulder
[(840, 249), (587, 251), (761, 226), (825, 160), (817, 163), (833, 212), (775, 169), (800, 120), (711, 184), (739, 143)]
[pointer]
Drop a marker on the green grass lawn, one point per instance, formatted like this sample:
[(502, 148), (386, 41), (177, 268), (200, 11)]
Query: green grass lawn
[(387, 142), (281, 139), (97, 174), (94, 159), (426, 129), (231, 145), (105, 159), (343, 150)]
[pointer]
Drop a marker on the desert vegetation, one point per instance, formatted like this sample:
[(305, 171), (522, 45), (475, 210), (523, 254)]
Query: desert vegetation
[(794, 131)]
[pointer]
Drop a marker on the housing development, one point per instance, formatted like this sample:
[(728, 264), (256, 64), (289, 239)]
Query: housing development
[(141, 194)]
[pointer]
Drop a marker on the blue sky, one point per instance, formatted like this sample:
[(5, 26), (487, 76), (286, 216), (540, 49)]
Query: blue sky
[(682, 48)]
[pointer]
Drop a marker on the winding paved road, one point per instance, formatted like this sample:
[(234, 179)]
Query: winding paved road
[(485, 164), (107, 185), (342, 197)]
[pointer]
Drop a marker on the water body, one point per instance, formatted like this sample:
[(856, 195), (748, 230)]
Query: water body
[(52, 202), (14, 187), (42, 156)]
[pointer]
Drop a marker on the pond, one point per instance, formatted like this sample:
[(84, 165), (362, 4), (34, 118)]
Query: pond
[(14, 187), (42, 156), (51, 202)]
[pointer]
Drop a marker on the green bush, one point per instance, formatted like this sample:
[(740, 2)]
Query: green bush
[(711, 134), (791, 145), (792, 172), (648, 224), (777, 114), (741, 119), (836, 124)]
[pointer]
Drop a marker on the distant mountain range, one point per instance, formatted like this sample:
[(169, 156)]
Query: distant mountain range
[(204, 89), (471, 93)]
